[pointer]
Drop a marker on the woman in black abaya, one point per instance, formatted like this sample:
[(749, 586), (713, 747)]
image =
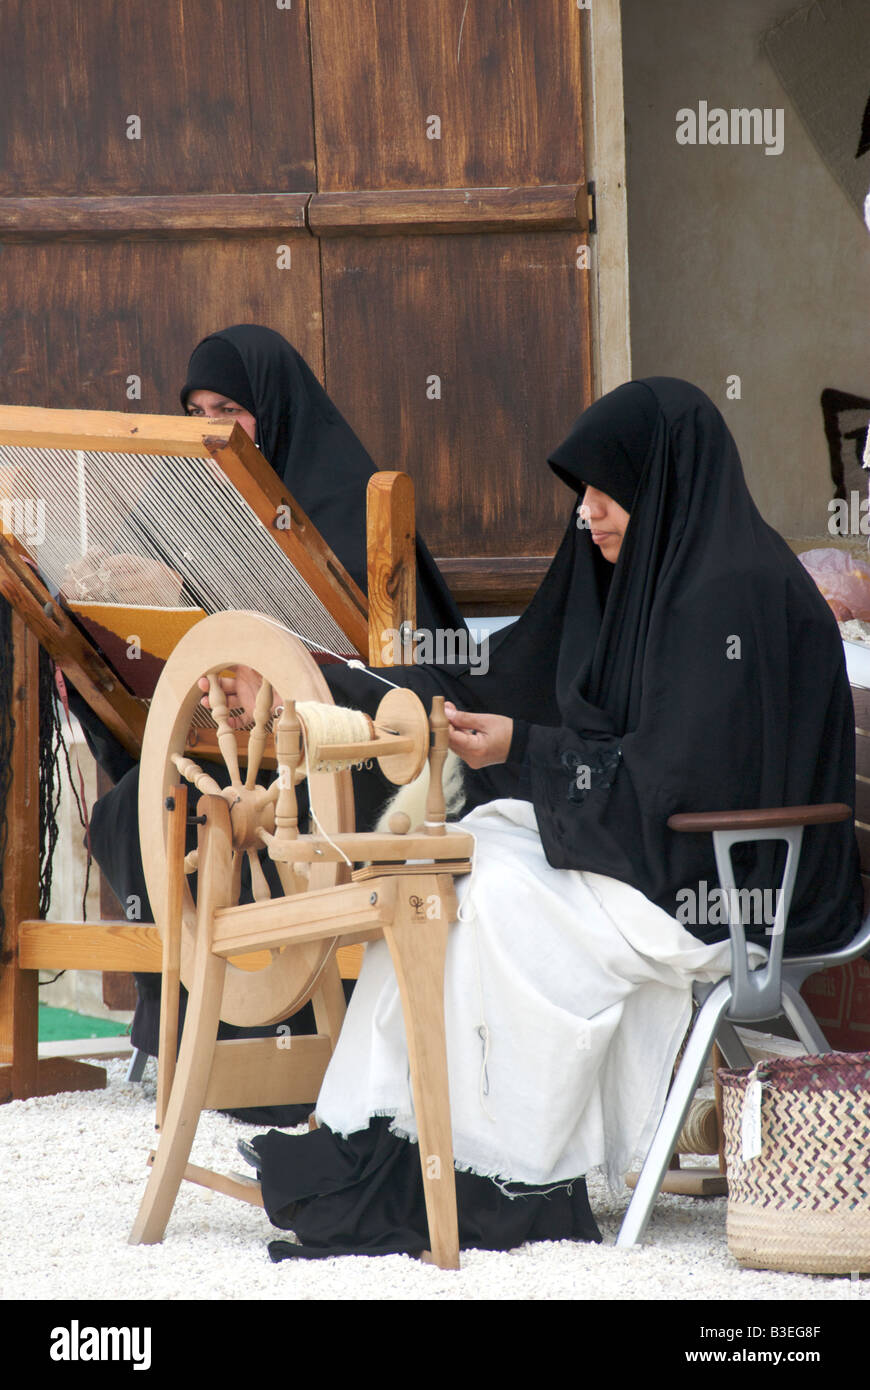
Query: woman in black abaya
[(252, 374), (311, 447), (676, 658)]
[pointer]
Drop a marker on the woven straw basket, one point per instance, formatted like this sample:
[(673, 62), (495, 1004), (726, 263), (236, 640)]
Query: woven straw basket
[(803, 1204)]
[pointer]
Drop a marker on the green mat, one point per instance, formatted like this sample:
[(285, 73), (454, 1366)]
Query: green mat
[(58, 1024)]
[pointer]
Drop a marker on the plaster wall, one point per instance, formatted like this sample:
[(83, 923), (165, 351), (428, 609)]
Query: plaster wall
[(741, 263)]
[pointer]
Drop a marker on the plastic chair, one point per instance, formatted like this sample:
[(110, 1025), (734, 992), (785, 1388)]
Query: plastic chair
[(746, 995)]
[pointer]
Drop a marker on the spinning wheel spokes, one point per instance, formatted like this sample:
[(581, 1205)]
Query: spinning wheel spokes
[(257, 737), (226, 737), (259, 886), (237, 875), (262, 987), (196, 775)]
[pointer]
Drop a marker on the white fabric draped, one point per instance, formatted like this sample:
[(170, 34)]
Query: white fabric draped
[(567, 996)]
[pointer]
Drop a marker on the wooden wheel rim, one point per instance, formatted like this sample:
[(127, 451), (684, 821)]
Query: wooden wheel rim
[(223, 640)]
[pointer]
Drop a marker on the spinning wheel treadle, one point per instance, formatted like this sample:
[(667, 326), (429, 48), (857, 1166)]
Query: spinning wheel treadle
[(264, 988)]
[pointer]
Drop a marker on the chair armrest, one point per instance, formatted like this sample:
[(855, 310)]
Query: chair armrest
[(757, 994), (770, 819)]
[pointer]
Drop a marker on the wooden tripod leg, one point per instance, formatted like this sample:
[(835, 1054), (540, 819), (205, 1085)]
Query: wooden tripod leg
[(171, 978), (328, 1001), (200, 1030), (417, 939)]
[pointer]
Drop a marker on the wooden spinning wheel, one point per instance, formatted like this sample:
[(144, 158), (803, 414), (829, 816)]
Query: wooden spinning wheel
[(267, 987), (406, 896)]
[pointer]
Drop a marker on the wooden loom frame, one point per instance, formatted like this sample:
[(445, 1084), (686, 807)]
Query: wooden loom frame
[(30, 944)]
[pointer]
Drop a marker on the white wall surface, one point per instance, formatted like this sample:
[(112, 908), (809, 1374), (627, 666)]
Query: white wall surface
[(741, 262)]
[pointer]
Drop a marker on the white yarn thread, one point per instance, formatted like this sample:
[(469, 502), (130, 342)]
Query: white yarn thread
[(329, 724), (321, 725)]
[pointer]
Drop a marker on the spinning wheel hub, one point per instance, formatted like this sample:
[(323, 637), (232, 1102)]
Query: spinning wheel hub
[(251, 808)]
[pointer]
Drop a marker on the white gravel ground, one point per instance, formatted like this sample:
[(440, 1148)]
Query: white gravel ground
[(72, 1172)]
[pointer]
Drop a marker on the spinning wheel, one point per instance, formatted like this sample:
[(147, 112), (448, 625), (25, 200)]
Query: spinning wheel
[(266, 987), (405, 896)]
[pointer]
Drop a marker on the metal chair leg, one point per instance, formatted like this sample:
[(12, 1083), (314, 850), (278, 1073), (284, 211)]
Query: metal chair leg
[(136, 1066), (796, 1010), (676, 1108), (731, 1047)]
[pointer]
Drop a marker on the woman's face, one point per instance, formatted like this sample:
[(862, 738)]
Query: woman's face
[(607, 522), (214, 406)]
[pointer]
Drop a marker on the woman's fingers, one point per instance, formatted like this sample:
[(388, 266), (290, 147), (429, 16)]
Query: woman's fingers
[(241, 690), (463, 742), (227, 683), (461, 719), (480, 739), (465, 737), (229, 687)]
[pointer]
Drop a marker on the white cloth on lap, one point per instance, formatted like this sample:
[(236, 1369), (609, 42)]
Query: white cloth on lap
[(567, 996)]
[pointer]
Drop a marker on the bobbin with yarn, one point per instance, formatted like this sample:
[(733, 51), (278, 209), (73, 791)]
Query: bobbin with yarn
[(326, 725), (335, 738)]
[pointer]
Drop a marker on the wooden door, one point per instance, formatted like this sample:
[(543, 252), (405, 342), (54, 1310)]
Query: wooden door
[(451, 202), (156, 157), (397, 187)]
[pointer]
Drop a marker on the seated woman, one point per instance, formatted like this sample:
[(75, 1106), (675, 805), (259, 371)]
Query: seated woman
[(676, 658), (252, 374)]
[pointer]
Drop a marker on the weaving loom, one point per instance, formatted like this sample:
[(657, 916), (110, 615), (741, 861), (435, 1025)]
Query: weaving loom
[(145, 524), (202, 522), (200, 547)]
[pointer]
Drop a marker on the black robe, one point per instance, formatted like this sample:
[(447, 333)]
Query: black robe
[(315, 452), (704, 671)]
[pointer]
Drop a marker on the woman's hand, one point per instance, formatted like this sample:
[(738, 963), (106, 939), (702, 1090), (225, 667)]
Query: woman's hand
[(241, 692), (479, 739)]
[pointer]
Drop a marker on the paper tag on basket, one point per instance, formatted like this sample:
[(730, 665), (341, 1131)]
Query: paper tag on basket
[(750, 1123)]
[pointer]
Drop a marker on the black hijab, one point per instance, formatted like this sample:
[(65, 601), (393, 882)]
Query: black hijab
[(310, 446), (704, 671)]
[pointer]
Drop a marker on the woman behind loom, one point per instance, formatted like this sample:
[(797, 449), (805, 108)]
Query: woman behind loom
[(676, 658), (252, 374)]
